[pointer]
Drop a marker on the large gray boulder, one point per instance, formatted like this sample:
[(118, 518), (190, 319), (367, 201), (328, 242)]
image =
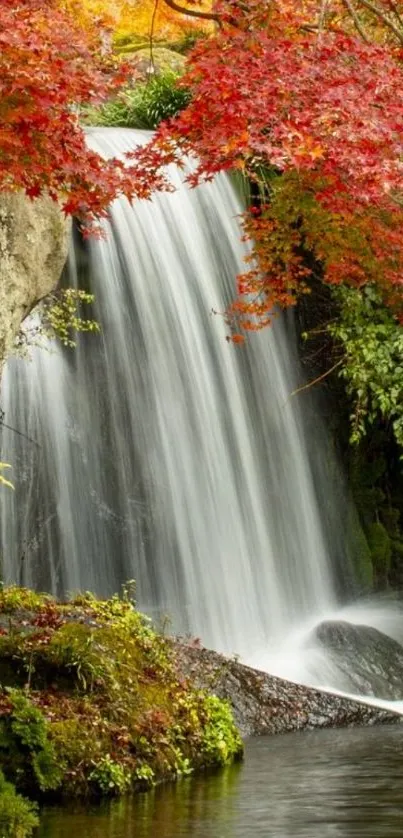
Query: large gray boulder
[(34, 239), (265, 704), (370, 663)]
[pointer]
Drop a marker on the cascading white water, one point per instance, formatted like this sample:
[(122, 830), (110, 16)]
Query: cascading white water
[(157, 451)]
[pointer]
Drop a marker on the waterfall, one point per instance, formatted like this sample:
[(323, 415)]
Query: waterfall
[(159, 452)]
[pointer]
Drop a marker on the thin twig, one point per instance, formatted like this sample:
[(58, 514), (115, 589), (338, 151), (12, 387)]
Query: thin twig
[(382, 16), (394, 9), (20, 433), (316, 380), (152, 29)]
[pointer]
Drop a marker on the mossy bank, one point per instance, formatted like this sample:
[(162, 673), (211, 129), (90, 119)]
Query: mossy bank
[(92, 704)]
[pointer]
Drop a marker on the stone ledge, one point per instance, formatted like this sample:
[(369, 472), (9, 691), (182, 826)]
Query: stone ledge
[(265, 704)]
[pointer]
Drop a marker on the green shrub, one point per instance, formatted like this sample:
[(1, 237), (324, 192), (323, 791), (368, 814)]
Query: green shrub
[(18, 817), (26, 751), (144, 775), (221, 742), (71, 649), (109, 777), (13, 598), (143, 106), (27, 722), (371, 341)]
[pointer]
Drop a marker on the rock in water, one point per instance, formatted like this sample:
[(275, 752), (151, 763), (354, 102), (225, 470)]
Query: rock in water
[(370, 663), (265, 704)]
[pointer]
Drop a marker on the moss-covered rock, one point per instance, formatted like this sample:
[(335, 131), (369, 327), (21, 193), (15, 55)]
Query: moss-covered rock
[(125, 44), (265, 704), (92, 704), (161, 59), (130, 43)]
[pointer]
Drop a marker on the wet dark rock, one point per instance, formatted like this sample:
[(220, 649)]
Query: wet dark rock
[(265, 704), (370, 663)]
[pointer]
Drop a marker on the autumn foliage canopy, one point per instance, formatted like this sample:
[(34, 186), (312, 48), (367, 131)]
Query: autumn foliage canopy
[(305, 102), (49, 66), (315, 118)]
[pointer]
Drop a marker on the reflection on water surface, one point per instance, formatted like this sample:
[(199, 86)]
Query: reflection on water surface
[(324, 784)]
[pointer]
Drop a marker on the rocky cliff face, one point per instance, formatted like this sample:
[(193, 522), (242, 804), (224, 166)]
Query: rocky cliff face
[(33, 248)]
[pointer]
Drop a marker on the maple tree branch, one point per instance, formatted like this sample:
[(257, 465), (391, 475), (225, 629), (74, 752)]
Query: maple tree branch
[(309, 27), (357, 23), (394, 9), (322, 17), (382, 16), (192, 12)]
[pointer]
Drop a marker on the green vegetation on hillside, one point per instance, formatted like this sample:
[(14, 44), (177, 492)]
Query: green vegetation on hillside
[(91, 703), (371, 340)]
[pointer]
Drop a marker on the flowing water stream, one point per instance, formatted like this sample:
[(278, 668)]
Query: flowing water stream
[(157, 451)]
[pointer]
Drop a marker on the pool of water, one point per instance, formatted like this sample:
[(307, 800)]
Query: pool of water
[(324, 784)]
